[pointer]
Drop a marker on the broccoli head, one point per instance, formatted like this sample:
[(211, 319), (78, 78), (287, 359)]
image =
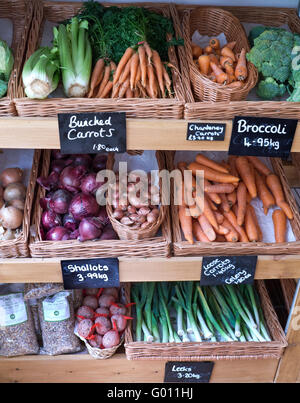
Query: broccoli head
[(269, 89), (295, 95)]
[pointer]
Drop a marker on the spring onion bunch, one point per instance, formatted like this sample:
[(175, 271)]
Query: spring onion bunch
[(75, 55), (41, 73), (184, 311)]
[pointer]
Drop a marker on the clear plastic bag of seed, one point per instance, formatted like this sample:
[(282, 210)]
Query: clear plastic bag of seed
[(40, 290), (17, 331), (57, 319)]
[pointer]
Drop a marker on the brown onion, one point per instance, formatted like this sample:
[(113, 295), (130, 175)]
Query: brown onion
[(16, 203), (14, 191), (1, 202), (11, 175), (11, 217)]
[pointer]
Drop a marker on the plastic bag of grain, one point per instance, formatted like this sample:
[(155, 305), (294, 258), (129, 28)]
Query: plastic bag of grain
[(17, 332), (57, 321), (40, 290)]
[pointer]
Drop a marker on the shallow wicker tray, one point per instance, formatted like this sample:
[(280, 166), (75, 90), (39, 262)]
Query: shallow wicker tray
[(159, 246), (204, 351), (20, 13), (213, 21), (183, 248), (136, 107), (18, 247)]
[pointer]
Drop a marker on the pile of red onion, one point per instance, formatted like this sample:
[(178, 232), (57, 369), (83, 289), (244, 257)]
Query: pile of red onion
[(70, 209), (101, 319)]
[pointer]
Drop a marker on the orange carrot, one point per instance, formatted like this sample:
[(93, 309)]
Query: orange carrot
[(219, 217), (158, 68), (252, 210), (263, 193), (235, 84), (226, 51), (232, 170), (209, 214), (212, 204), (259, 165), (97, 75), (279, 222), (148, 51), (219, 188), (204, 64), (104, 81), (224, 205), (129, 93), (195, 211), (232, 235), (241, 203), (220, 238), (222, 230), (122, 63), (123, 88), (241, 71), (274, 185), (208, 49), (213, 58), (202, 159), (219, 73), (231, 45), (226, 60), (115, 90), (196, 50), (143, 64), (250, 227), (211, 174), (214, 43), (198, 233), (232, 198), (244, 169), (231, 217), (186, 224), (207, 227), (133, 69), (107, 89), (167, 80), (153, 90), (230, 71)]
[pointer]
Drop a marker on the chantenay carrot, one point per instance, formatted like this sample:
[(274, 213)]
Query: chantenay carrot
[(241, 71), (221, 76), (214, 43), (204, 64)]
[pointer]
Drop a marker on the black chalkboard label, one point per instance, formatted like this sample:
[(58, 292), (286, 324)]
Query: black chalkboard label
[(90, 273), (205, 131), (188, 372), (262, 137), (83, 133), (218, 270)]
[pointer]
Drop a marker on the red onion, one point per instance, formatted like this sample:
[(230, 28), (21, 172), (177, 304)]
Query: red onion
[(57, 155), (81, 160), (70, 178), (50, 220), (59, 165), (83, 205), (89, 228), (108, 233), (60, 201), (102, 215), (89, 184), (51, 182), (44, 201), (69, 222), (58, 234), (74, 234), (99, 162)]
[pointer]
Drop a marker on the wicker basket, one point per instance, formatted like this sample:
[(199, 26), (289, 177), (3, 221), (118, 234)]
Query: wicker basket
[(288, 287), (204, 351), (19, 12), (18, 247), (124, 231), (213, 21), (159, 246), (56, 12), (183, 248)]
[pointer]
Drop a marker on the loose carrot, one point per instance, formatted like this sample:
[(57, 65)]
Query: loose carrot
[(232, 198), (231, 217), (241, 71), (208, 49), (219, 73), (279, 222), (226, 51), (250, 227), (211, 204), (104, 81), (274, 185), (212, 196), (230, 71), (195, 211), (232, 170), (97, 75), (222, 230), (207, 227), (211, 174), (235, 84), (202, 159), (220, 238), (252, 210), (224, 204), (219, 217), (124, 59), (259, 165), (231, 45), (214, 43), (196, 50), (153, 90), (186, 224), (219, 188), (244, 169), (209, 214), (204, 64), (232, 235), (226, 60), (133, 69), (263, 193), (198, 233), (241, 203), (213, 58)]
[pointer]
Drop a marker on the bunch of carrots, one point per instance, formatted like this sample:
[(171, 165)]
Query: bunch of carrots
[(227, 214), (221, 65), (139, 74)]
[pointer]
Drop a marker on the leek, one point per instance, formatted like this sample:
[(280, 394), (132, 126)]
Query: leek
[(41, 73), (75, 55)]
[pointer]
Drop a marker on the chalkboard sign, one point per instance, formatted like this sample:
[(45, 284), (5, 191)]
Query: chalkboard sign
[(90, 273), (262, 137), (206, 131), (218, 270), (188, 372), (92, 133)]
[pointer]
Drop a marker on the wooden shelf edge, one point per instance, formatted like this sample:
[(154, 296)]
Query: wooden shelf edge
[(148, 269)]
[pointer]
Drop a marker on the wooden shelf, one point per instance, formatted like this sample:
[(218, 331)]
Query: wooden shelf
[(149, 269), (82, 368), (142, 134)]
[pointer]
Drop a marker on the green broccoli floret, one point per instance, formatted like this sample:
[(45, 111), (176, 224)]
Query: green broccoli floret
[(269, 89), (295, 95), (255, 32)]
